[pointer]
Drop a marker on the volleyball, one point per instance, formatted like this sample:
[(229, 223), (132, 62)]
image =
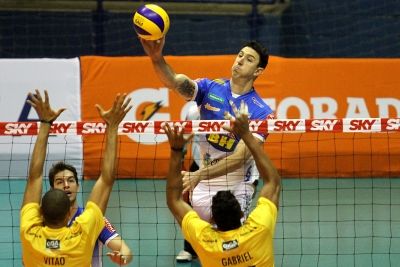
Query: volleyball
[(151, 22)]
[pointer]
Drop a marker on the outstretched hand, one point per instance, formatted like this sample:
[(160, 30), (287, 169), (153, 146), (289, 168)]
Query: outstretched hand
[(43, 108), (240, 120), (116, 114), (153, 48), (176, 138)]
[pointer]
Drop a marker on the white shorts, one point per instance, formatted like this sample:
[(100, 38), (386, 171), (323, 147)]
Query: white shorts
[(201, 198)]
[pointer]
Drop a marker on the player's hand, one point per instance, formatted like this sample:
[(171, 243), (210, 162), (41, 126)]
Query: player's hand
[(176, 138), (189, 181), (116, 114), (153, 48), (240, 120), (43, 108), (118, 258)]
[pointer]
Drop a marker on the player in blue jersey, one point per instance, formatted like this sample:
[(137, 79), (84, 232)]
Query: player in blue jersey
[(64, 176), (226, 162)]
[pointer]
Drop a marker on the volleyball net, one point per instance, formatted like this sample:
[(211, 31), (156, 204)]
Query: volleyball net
[(339, 204)]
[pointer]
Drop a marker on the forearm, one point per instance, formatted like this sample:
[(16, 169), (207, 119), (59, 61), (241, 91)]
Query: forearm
[(33, 189), (222, 167), (264, 164), (174, 180), (39, 151), (175, 202), (126, 251), (164, 72), (110, 155), (228, 164), (179, 83)]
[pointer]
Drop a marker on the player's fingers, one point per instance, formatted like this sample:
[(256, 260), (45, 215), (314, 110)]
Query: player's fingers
[(234, 108), (229, 116)]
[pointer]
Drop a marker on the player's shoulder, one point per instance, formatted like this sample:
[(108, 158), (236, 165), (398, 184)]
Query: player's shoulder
[(259, 108), (221, 81)]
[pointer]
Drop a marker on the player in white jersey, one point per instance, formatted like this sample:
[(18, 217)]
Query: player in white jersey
[(226, 163)]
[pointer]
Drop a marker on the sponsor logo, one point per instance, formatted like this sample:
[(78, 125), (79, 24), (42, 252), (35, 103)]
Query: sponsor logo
[(18, 128), (285, 125), (215, 97), (209, 107), (149, 110), (230, 245), (52, 244), (256, 102), (333, 125), (91, 127), (109, 226), (390, 124), (222, 142)]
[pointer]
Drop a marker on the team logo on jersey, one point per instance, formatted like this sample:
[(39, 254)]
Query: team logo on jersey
[(222, 142), (215, 97), (52, 244), (256, 102), (209, 107), (149, 110), (228, 245)]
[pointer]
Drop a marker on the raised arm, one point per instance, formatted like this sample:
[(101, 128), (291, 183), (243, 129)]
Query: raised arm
[(179, 83), (175, 202), (113, 117), (266, 168), (33, 190)]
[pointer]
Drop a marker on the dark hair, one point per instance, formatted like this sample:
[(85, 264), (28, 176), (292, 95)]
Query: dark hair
[(61, 166), (226, 211), (261, 51), (55, 206)]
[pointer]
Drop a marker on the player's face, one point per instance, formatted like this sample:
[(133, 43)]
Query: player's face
[(65, 180), (245, 65)]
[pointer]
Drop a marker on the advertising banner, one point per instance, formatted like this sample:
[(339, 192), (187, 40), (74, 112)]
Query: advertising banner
[(61, 78), (293, 88)]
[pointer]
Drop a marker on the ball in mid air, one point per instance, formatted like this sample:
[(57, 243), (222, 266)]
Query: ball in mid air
[(151, 22)]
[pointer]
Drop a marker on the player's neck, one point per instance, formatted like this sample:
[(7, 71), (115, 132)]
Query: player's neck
[(74, 207), (240, 86)]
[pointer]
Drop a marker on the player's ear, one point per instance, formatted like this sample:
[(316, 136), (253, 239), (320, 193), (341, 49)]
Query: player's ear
[(259, 71)]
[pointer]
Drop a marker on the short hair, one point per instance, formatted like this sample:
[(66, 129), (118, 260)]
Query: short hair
[(226, 211), (261, 51), (55, 206), (61, 166)]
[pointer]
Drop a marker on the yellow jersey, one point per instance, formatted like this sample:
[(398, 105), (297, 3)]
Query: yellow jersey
[(249, 245), (67, 246)]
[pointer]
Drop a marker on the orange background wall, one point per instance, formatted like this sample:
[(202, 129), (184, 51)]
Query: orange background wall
[(296, 155)]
